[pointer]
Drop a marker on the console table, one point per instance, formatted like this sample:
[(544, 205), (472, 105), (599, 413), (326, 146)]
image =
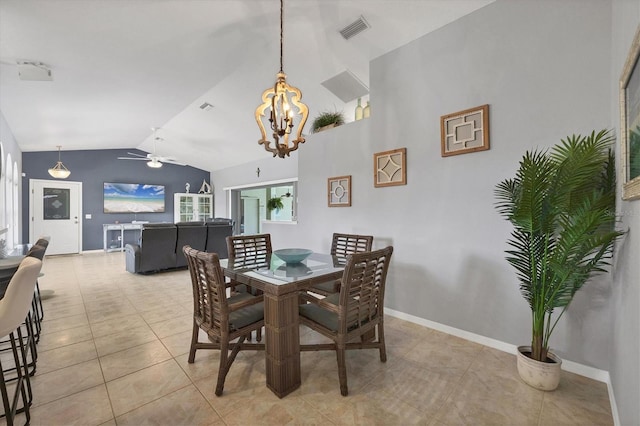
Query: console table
[(114, 234)]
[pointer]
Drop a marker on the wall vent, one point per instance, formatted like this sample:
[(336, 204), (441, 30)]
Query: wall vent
[(355, 28)]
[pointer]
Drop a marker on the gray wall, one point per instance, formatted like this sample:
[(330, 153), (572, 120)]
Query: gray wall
[(548, 69), (625, 298), (528, 61), (93, 168)]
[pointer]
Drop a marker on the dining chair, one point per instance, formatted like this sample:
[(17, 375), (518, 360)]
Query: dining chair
[(223, 318), (14, 307), (258, 245), (251, 249), (355, 312), (342, 245)]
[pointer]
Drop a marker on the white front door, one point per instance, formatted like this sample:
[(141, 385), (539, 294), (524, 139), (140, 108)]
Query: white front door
[(55, 209)]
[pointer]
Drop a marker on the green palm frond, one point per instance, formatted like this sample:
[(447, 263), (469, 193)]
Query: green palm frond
[(561, 204)]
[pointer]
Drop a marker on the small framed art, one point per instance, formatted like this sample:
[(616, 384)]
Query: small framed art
[(465, 131), (339, 191), (390, 168)]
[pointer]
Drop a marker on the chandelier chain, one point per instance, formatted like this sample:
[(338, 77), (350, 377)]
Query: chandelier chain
[(281, 31)]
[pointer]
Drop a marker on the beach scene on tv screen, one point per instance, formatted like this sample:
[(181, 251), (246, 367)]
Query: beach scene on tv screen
[(133, 198)]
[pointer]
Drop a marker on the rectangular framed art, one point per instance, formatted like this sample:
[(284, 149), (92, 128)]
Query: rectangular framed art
[(133, 198), (630, 122), (465, 131), (339, 191), (390, 168)]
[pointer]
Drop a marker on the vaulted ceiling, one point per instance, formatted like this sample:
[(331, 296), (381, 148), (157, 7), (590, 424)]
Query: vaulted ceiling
[(121, 67)]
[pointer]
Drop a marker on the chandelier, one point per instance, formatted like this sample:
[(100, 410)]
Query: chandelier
[(281, 111), (59, 171)]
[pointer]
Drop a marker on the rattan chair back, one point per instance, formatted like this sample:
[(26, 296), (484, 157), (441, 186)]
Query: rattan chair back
[(249, 245), (356, 312), (210, 308), (223, 318), (345, 244), (362, 292), (342, 245)]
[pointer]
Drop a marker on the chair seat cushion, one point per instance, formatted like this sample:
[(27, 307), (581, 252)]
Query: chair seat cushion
[(245, 316), (322, 316), (327, 286)]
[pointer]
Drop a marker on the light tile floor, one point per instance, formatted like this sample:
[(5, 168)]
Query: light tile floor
[(114, 351)]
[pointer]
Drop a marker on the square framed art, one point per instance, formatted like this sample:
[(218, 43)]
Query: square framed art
[(339, 191), (390, 168), (465, 131)]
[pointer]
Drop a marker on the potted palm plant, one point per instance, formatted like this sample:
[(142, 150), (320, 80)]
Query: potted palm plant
[(562, 207)]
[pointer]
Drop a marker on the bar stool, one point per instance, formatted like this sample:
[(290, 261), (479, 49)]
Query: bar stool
[(43, 241), (14, 307), (31, 322), (38, 250)]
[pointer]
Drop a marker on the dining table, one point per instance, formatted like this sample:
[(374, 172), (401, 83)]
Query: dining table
[(281, 283)]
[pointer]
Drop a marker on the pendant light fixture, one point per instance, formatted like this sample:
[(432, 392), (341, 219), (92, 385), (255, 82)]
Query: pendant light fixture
[(281, 111), (59, 171)]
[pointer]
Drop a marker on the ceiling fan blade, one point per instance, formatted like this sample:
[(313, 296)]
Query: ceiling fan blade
[(169, 160), (129, 158), (138, 155)]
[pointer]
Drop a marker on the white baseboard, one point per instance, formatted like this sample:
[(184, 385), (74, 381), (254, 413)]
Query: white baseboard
[(92, 251), (570, 366)]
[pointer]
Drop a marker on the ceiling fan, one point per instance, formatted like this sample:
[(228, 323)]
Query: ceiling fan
[(153, 160)]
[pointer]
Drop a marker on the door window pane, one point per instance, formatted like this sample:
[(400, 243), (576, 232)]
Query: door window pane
[(56, 203)]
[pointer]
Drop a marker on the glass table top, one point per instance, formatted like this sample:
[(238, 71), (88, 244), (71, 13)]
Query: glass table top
[(274, 270)]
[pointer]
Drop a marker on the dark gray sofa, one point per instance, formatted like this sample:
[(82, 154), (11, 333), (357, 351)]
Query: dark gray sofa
[(160, 246), (193, 234)]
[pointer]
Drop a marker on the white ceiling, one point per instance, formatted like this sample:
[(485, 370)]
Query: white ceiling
[(121, 67)]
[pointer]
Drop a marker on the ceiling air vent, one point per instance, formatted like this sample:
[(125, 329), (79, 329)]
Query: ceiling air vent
[(355, 28), (346, 86), (206, 106)]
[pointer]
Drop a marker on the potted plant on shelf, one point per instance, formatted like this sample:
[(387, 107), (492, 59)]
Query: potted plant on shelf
[(562, 207), (275, 203), (326, 120)]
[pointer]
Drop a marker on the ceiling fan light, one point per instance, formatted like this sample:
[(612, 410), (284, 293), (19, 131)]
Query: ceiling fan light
[(59, 171), (154, 164)]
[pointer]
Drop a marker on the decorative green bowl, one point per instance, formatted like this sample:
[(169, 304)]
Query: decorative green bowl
[(293, 255)]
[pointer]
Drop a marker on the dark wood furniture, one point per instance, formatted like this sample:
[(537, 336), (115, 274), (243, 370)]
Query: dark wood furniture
[(223, 319), (342, 245), (355, 312), (281, 285)]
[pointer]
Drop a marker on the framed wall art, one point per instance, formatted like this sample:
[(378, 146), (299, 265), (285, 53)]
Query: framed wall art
[(630, 122), (390, 168), (339, 191), (465, 131)]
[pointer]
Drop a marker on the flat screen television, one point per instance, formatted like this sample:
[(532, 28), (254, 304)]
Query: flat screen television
[(133, 198)]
